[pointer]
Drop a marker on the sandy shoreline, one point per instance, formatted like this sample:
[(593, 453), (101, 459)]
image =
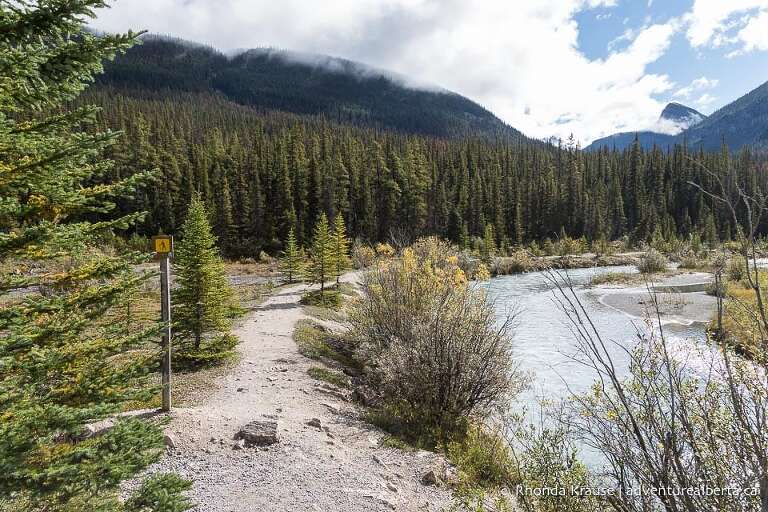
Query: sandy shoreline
[(679, 297)]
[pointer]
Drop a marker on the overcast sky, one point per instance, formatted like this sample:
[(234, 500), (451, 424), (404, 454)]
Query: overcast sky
[(547, 67)]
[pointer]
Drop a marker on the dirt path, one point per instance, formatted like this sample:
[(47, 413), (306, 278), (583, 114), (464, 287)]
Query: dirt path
[(338, 467)]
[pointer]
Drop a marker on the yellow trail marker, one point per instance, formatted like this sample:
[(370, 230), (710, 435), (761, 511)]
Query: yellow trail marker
[(163, 246)]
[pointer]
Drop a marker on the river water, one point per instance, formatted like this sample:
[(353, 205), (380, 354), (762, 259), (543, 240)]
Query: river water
[(543, 343)]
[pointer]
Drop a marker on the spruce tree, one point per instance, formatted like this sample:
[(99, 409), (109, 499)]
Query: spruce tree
[(203, 299), (59, 344), (341, 260), (322, 266), (292, 263), (488, 247)]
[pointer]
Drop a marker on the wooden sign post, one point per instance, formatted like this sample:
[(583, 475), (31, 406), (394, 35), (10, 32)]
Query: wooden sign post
[(163, 246)]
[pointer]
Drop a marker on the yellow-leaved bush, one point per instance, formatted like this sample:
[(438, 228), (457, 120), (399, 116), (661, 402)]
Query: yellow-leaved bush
[(430, 343)]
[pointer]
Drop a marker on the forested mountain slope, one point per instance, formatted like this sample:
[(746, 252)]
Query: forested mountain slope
[(623, 140), (742, 122), (268, 79), (262, 173)]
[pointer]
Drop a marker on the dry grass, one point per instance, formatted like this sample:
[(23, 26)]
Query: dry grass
[(251, 268), (617, 278), (740, 317)]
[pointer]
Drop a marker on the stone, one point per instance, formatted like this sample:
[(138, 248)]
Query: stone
[(330, 407), (169, 441), (391, 487), (258, 433), (314, 422), (387, 504), (430, 478), (451, 475)]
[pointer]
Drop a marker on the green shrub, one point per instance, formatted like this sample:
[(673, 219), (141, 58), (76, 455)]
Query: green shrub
[(691, 262), (212, 351), (409, 426), (483, 459), (737, 269), (717, 289), (549, 461), (548, 247), (612, 278), (520, 261), (331, 298), (651, 262), (534, 249), (362, 255), (161, 493), (317, 342), (602, 247), (431, 343), (331, 377)]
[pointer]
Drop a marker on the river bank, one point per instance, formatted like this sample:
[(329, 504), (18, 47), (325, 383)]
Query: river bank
[(521, 262)]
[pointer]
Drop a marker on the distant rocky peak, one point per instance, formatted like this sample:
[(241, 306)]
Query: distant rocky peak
[(681, 114)]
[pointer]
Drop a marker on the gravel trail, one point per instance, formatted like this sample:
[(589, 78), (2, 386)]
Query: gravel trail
[(339, 466)]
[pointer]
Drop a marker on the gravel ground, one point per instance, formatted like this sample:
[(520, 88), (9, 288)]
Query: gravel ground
[(340, 466)]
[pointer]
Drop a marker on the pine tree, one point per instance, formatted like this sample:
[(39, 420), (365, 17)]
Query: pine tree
[(203, 298), (58, 349), (709, 231), (341, 260), (321, 267), (488, 247), (292, 263)]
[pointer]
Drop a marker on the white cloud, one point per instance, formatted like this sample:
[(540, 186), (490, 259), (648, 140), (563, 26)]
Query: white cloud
[(704, 101), (696, 85), (523, 63), (754, 35), (724, 23)]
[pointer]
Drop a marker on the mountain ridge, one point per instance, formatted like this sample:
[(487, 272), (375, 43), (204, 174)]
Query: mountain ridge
[(742, 122), (675, 117), (304, 83)]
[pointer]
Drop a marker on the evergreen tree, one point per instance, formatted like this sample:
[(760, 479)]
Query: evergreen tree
[(341, 260), (282, 170), (58, 349), (322, 265), (203, 298), (709, 231), (292, 263), (488, 247)]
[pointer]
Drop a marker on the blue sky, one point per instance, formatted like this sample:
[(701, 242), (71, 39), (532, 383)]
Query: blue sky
[(602, 28), (547, 67)]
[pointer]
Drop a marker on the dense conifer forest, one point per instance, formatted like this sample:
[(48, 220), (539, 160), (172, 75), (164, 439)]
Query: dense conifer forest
[(263, 173), (272, 79)]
